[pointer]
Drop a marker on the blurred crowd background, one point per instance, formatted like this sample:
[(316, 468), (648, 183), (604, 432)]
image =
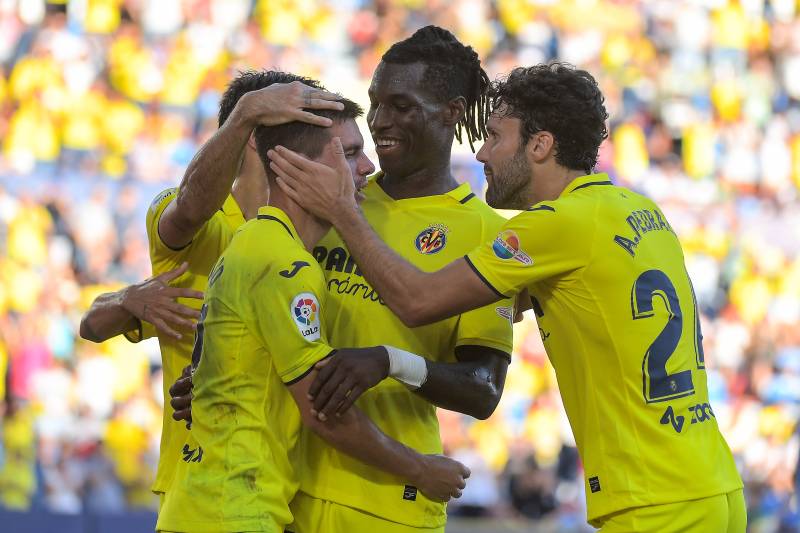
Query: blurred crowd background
[(104, 102)]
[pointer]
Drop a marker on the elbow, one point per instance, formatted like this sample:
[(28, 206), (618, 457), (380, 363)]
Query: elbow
[(414, 314), (86, 332), (486, 405)]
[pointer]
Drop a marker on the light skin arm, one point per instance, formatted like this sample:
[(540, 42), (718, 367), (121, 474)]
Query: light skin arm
[(152, 300), (209, 176), (416, 297), (353, 433), (438, 477), (472, 386)]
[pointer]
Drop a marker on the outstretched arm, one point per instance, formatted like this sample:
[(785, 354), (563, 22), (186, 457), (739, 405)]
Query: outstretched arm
[(415, 296), (209, 176), (472, 385), (152, 300)]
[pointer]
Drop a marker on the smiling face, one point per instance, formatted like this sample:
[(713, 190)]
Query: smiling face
[(353, 145), (508, 172), (406, 120)]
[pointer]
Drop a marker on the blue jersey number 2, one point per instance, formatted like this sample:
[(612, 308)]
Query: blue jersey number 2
[(657, 384)]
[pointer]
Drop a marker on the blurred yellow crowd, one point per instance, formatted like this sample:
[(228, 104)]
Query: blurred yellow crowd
[(104, 101)]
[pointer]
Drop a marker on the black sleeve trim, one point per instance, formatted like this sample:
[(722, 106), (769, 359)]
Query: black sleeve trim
[(486, 281), (467, 198), (158, 230), (128, 334), (488, 349), (307, 372)]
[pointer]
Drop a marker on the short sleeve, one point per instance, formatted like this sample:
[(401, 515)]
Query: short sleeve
[(288, 313), (143, 330), (535, 245), (210, 240), (490, 326)]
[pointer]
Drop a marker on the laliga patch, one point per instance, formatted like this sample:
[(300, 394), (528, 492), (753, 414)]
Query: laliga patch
[(432, 239), (163, 194), (305, 310), (506, 312), (507, 246)]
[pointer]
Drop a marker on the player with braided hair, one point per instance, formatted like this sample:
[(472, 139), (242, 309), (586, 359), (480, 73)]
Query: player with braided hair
[(453, 70)]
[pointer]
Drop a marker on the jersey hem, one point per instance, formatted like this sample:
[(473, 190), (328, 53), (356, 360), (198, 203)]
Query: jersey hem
[(336, 498)]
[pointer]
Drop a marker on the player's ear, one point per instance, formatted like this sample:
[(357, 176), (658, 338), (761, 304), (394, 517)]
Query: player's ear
[(540, 146), (251, 141), (454, 110)]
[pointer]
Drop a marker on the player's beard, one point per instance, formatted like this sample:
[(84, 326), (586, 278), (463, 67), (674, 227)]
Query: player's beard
[(509, 183)]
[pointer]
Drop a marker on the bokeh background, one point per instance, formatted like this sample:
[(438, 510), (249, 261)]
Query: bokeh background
[(104, 102)]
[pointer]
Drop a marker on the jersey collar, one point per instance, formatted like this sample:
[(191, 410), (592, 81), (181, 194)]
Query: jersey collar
[(463, 193), (276, 215), (230, 208), (582, 182)]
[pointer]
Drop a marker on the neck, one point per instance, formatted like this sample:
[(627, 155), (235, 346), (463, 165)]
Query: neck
[(309, 228), (428, 181), (553, 183), (250, 189)]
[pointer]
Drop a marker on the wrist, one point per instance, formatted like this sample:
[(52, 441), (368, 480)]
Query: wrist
[(345, 215), (241, 117), (406, 367), (419, 465)]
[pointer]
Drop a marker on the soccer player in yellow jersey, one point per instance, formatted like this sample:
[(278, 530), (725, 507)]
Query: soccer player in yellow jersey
[(194, 222), (262, 330), (428, 89), (607, 281)]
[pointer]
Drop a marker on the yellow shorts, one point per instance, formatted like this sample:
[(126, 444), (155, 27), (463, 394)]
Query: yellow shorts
[(312, 515), (725, 513)]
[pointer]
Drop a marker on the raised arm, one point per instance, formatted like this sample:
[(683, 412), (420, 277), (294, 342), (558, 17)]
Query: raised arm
[(438, 477), (152, 300), (209, 176), (416, 297)]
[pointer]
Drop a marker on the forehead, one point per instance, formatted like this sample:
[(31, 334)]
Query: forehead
[(501, 120), (348, 132), (393, 78)]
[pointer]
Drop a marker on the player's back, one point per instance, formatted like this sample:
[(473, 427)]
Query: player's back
[(619, 320), (237, 471)]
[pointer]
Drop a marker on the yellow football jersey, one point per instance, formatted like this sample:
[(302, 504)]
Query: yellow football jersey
[(430, 232), (617, 314), (260, 330), (201, 254)]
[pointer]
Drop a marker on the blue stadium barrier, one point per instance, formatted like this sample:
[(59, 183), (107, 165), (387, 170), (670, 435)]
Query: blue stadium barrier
[(44, 522)]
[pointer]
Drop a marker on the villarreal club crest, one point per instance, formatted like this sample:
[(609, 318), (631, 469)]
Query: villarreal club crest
[(432, 239)]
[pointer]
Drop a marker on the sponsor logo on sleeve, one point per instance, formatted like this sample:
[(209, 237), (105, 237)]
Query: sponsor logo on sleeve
[(305, 311), (505, 312), (296, 266), (432, 239), (507, 246), (161, 196)]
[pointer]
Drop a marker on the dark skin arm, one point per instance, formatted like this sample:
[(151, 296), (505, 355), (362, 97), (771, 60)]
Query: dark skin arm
[(152, 300), (416, 297), (472, 386), (353, 433), (208, 178)]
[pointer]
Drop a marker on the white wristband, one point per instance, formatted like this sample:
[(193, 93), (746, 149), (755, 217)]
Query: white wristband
[(407, 367)]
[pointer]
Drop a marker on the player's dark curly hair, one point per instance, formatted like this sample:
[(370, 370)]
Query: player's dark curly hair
[(561, 99), (453, 70), (253, 80)]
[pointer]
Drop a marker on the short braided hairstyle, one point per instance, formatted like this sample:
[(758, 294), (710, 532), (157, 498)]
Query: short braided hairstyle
[(561, 99), (453, 70)]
